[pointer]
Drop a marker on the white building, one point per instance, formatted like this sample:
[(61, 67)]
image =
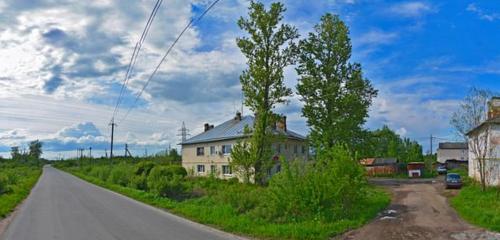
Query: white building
[(484, 140), (452, 151)]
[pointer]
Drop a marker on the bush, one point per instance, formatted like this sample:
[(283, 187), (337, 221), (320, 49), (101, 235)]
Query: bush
[(325, 191), (167, 181), (4, 180), (138, 182), (242, 197), (119, 175), (144, 168)]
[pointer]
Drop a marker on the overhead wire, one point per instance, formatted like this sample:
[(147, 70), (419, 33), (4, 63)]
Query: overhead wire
[(135, 53), (190, 24)]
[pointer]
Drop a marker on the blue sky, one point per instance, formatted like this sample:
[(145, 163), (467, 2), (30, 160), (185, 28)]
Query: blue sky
[(62, 63)]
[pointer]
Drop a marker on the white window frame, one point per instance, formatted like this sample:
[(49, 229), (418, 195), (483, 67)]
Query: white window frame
[(213, 168)]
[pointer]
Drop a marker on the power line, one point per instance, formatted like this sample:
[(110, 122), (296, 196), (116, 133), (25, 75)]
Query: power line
[(135, 53), (194, 20)]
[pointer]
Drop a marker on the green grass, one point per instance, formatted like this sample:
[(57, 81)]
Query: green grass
[(208, 210), (26, 178), (478, 207)]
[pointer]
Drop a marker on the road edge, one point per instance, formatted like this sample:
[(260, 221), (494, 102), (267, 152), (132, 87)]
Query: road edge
[(179, 218)]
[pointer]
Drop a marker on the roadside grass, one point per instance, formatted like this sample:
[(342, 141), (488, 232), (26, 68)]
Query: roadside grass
[(475, 206), (210, 210), (18, 183)]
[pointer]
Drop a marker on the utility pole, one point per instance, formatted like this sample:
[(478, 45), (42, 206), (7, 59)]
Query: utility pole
[(90, 152), (113, 124)]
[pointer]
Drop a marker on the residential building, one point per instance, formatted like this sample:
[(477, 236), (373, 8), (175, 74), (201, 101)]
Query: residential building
[(484, 140), (452, 151), (210, 151)]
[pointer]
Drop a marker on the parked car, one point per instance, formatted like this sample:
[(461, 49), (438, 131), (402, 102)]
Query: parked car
[(441, 169), (453, 180)]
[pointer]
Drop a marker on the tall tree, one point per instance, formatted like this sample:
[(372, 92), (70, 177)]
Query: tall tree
[(35, 149), (472, 111), (336, 96), (470, 114), (14, 152), (269, 48)]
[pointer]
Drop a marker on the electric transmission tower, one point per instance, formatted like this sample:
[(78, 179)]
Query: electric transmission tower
[(183, 132)]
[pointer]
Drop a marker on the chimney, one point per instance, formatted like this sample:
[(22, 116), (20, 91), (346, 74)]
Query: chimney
[(494, 108), (238, 116), (281, 124), (206, 127)]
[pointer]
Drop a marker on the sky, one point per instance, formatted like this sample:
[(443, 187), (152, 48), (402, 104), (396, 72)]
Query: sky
[(62, 64)]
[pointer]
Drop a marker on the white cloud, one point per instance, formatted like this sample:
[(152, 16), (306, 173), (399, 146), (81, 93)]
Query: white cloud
[(411, 9), (482, 14), (376, 37)]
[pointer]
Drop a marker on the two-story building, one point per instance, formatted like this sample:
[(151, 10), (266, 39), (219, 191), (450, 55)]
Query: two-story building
[(457, 151), (210, 152), (484, 143)]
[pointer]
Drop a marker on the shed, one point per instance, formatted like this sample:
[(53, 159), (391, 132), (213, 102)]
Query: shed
[(415, 169), (379, 166)]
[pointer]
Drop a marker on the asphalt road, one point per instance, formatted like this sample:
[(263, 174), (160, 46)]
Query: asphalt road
[(64, 207)]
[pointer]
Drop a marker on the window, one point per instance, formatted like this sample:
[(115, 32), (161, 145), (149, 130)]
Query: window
[(200, 168), (213, 168), (226, 149), (303, 149), (295, 149), (200, 151), (278, 148), (212, 150), (226, 170)]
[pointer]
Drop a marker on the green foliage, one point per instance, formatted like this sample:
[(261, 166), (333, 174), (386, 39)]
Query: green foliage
[(120, 174), (478, 207), (16, 181), (35, 149), (326, 191), (242, 161), (336, 96), (385, 142), (144, 167), (269, 48), (235, 207), (166, 181)]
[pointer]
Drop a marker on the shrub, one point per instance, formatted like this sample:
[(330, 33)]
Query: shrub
[(144, 168), (4, 180), (119, 175), (167, 181), (138, 182), (327, 190), (242, 197)]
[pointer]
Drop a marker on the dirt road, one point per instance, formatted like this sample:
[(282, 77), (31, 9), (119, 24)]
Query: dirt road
[(419, 211)]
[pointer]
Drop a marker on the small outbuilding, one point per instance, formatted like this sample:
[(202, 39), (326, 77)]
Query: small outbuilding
[(380, 166), (415, 169)]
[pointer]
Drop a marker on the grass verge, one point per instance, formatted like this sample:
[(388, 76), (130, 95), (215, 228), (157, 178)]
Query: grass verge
[(209, 211), (478, 207), (19, 189)]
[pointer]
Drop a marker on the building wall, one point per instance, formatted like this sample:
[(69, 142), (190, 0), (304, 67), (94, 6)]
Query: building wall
[(190, 159), (446, 154), (493, 163)]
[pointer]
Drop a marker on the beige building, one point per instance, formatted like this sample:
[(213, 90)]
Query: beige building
[(484, 140), (210, 151), (452, 151)]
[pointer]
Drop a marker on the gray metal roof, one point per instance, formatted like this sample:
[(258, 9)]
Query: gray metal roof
[(453, 145), (233, 129)]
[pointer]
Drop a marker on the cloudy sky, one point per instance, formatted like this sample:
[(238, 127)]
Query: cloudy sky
[(62, 63)]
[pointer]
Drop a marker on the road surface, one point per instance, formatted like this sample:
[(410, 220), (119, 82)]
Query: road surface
[(419, 210), (64, 207)]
